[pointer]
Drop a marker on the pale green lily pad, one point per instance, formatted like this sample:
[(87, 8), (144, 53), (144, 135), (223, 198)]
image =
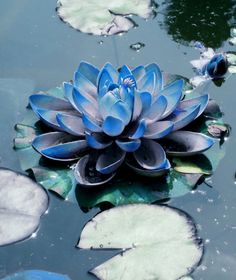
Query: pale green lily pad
[(232, 69), (103, 17), (232, 41), (157, 242), (231, 57)]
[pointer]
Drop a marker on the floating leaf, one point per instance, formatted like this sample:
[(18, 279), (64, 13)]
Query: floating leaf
[(36, 275), (103, 17), (22, 202), (157, 242), (218, 130), (137, 189), (231, 57), (232, 69), (196, 164)]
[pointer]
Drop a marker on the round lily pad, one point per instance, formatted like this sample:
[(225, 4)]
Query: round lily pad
[(22, 203), (154, 242)]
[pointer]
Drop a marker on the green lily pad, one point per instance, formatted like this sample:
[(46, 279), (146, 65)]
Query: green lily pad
[(157, 242)]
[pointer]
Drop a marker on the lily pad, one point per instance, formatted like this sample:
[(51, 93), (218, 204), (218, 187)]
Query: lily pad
[(22, 203), (103, 17), (157, 242), (36, 275)]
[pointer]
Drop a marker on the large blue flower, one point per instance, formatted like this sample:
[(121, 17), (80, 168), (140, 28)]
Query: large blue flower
[(110, 116)]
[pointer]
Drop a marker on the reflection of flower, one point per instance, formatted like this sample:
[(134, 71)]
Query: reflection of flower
[(211, 65), (109, 116)]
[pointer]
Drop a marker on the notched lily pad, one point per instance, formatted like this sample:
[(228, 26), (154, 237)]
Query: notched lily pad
[(22, 203), (164, 235), (36, 275), (103, 17)]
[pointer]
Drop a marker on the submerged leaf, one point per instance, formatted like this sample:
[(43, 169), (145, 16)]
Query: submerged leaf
[(22, 202), (102, 17), (164, 235), (36, 275)]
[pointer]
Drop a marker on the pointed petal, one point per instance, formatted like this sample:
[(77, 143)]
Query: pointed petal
[(71, 124), (150, 155), (156, 110), (126, 77), (106, 103), (86, 174), (158, 129), (200, 100), (89, 71), (128, 145), (136, 130), (146, 99), (59, 146), (104, 81), (173, 94), (84, 85), (91, 124), (186, 143), (121, 110), (150, 172), (68, 92), (153, 67), (147, 83), (49, 118), (113, 126), (97, 141), (110, 160), (114, 74), (43, 101), (183, 118), (138, 72), (137, 109)]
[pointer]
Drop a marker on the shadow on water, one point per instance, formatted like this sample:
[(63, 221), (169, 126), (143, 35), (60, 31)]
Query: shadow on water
[(206, 21)]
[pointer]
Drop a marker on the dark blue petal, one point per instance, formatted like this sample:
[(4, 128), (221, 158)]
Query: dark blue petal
[(59, 146), (43, 101), (137, 130), (138, 72), (110, 160), (186, 143), (173, 94), (146, 99), (71, 124), (200, 100), (128, 145), (150, 155), (84, 85), (126, 77), (86, 174), (97, 140), (156, 110), (158, 129), (113, 126), (183, 118), (91, 124), (154, 68), (89, 71)]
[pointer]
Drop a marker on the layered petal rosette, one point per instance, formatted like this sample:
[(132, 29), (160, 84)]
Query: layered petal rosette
[(109, 117)]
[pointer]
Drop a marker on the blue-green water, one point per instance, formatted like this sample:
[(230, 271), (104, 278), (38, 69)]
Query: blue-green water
[(38, 51)]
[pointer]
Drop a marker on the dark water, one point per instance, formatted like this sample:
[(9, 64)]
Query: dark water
[(38, 51)]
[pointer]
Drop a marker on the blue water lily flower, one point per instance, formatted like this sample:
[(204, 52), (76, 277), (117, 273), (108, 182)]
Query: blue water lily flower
[(211, 65), (109, 117)]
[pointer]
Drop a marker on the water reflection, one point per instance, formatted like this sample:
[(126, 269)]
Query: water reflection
[(206, 21)]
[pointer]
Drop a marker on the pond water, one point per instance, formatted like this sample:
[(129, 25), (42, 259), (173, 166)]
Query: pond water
[(38, 52)]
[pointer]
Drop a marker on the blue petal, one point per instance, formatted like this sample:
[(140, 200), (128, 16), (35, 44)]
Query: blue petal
[(126, 77), (68, 91), (89, 71), (128, 145), (105, 80), (150, 155), (183, 118), (114, 74), (146, 99), (127, 95), (121, 110), (113, 126), (153, 67), (137, 109), (59, 146), (148, 83), (110, 160), (84, 85), (91, 124), (173, 94), (200, 100), (156, 110), (158, 130), (106, 103), (49, 118), (71, 124), (97, 140), (138, 72), (43, 101), (138, 130)]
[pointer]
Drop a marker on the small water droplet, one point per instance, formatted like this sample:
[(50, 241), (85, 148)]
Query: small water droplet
[(137, 46), (101, 245), (100, 42)]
